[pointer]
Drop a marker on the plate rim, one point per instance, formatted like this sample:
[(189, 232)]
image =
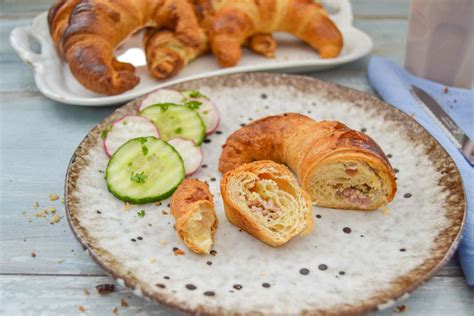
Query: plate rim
[(361, 308)]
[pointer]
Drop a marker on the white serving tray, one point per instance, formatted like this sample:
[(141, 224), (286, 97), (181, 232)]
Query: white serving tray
[(54, 79)]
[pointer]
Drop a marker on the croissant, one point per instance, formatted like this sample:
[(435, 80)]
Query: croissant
[(230, 24), (235, 21), (86, 32), (264, 199), (166, 55), (338, 167), (193, 210)]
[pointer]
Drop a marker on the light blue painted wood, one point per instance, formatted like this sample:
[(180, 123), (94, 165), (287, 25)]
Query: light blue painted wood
[(32, 295), (37, 138)]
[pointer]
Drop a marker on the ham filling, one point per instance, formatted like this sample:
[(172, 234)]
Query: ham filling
[(355, 196), (259, 204)]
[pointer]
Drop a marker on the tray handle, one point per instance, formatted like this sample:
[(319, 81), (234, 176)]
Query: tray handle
[(21, 40)]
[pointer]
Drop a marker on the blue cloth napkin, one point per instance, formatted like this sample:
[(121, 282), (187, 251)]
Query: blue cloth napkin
[(392, 83)]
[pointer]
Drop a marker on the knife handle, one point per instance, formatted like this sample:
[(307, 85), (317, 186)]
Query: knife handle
[(467, 150)]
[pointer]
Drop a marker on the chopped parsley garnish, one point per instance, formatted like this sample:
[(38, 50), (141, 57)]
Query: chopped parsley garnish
[(196, 94), (129, 164), (179, 130), (141, 213), (125, 122), (138, 177), (144, 150), (105, 131), (164, 106), (193, 105)]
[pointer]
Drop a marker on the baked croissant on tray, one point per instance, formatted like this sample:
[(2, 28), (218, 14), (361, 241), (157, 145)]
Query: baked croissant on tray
[(86, 33), (338, 167), (230, 24)]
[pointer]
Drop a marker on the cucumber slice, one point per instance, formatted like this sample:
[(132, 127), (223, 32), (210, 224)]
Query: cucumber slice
[(144, 170), (174, 120)]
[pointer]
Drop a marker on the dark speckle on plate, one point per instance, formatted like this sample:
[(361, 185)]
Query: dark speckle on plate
[(304, 271), (191, 287), (266, 285)]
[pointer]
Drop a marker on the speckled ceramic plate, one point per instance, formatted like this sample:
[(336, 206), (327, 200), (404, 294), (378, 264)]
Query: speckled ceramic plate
[(351, 263)]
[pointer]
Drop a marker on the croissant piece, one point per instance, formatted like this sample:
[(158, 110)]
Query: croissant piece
[(235, 21), (338, 167), (264, 199), (166, 55), (193, 209), (231, 24), (86, 32)]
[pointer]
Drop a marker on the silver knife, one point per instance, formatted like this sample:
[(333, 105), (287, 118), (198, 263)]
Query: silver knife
[(454, 132)]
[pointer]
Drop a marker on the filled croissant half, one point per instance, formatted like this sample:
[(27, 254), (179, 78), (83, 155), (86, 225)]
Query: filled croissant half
[(338, 167), (193, 210), (264, 199)]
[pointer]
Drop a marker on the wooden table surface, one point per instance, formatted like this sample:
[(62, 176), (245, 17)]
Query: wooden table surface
[(43, 269)]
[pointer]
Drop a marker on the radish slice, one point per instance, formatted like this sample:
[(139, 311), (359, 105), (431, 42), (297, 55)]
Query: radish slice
[(126, 128), (161, 96), (207, 110), (191, 154)]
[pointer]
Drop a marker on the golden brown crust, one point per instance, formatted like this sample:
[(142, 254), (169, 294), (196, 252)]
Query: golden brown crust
[(235, 21), (190, 197), (303, 144), (263, 44), (231, 24), (86, 33), (238, 217), (166, 54)]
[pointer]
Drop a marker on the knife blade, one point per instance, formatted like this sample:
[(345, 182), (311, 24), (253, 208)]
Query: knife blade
[(439, 115)]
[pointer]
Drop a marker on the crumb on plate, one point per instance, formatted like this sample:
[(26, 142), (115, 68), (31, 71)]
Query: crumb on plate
[(55, 219), (123, 302), (400, 309), (178, 252), (104, 289)]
